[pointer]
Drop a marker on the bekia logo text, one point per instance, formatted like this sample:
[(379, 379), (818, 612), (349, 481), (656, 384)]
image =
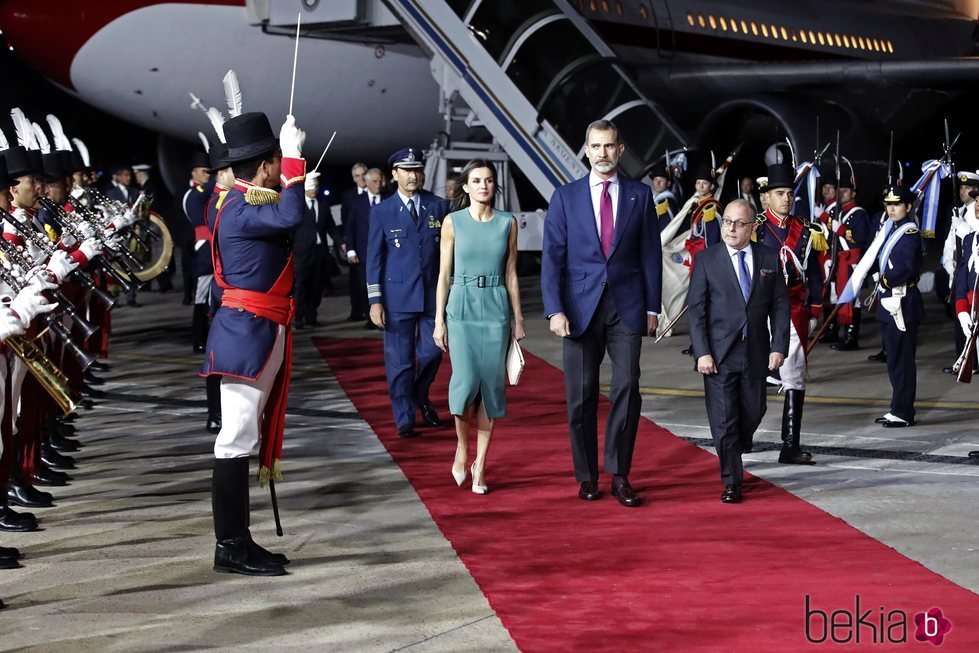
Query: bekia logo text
[(873, 626)]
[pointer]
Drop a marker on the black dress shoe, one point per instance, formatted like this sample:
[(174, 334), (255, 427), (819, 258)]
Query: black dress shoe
[(49, 477), (62, 444), (238, 556), (277, 558), (731, 494), (622, 491), (91, 379), (589, 491), (10, 552), (51, 458), (897, 424), (213, 425), (28, 496), (89, 391), (747, 445), (429, 416), (879, 357), (16, 522), (101, 366), (407, 431), (9, 563), (199, 349), (789, 456)]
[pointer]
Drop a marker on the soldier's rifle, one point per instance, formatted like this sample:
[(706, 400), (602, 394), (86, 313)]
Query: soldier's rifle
[(964, 363), (834, 246)]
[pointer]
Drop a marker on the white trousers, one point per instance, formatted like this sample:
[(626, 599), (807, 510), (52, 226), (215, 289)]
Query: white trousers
[(242, 405), (793, 370), (4, 379), (17, 375)]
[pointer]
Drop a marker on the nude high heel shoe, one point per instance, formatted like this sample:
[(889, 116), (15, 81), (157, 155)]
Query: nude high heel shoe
[(460, 477), (477, 489)]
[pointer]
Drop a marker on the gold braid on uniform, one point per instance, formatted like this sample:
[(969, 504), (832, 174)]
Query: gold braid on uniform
[(258, 196), (818, 236)]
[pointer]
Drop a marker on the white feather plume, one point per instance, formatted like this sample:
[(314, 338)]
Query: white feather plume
[(43, 143), (23, 129), (217, 121), (207, 146), (232, 93), (61, 141), (82, 150), (4, 145)]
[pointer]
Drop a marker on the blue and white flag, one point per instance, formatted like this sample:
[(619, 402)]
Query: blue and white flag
[(933, 172)]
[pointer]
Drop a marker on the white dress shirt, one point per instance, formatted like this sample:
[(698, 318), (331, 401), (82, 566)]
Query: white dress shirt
[(595, 185), (736, 262)]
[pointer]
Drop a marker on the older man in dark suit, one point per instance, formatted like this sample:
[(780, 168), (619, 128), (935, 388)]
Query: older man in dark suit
[(736, 294)]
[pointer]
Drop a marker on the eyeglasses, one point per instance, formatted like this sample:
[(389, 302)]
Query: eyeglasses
[(736, 223)]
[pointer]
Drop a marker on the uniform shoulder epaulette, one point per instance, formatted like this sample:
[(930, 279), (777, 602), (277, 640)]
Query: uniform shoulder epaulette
[(258, 196), (911, 231), (199, 189)]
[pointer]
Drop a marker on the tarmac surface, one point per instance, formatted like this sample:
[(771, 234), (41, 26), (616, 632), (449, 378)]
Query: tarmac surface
[(123, 562)]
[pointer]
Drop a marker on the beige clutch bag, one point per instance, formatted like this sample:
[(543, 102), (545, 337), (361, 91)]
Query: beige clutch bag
[(514, 362)]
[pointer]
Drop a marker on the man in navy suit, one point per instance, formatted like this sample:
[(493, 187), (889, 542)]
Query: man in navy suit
[(402, 271), (601, 277), (736, 292), (355, 230)]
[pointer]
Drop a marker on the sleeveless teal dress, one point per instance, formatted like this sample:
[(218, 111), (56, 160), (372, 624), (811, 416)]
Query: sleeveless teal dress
[(477, 316)]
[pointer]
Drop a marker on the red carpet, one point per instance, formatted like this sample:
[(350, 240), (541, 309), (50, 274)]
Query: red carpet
[(682, 573)]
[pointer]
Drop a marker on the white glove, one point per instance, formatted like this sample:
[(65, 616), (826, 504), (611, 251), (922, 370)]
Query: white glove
[(291, 138), (90, 248), (965, 321), (10, 325), (310, 183), (60, 265), (86, 229), (30, 303), (813, 323), (120, 222), (21, 215)]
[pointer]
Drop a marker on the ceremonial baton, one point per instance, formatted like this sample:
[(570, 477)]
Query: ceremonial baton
[(275, 508), (324, 152), (672, 323), (295, 60)]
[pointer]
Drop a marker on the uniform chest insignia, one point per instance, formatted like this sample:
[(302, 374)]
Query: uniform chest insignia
[(434, 224), (258, 196)]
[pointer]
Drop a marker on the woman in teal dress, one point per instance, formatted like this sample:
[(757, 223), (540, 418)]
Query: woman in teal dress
[(477, 311)]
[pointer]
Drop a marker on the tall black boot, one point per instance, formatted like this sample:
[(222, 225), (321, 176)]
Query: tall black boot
[(831, 334), (851, 335), (792, 453), (198, 327), (213, 386), (235, 552)]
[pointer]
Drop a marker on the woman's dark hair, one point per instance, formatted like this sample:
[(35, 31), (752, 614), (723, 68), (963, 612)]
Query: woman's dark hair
[(460, 200)]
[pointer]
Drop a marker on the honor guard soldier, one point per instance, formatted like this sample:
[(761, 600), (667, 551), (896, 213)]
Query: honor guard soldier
[(900, 309), (853, 227), (195, 202), (402, 271), (250, 342), (793, 240), (963, 223), (666, 204), (705, 229)]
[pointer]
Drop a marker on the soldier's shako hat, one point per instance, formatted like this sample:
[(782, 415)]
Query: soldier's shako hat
[(77, 162), (780, 175), (967, 178), (37, 163), (218, 157), (827, 175), (67, 161), (6, 181), (898, 195), (660, 170), (762, 184), (52, 166), (200, 160), (20, 163), (408, 158), (249, 136), (703, 170)]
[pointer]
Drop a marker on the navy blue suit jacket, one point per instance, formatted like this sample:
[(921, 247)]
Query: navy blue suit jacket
[(575, 273)]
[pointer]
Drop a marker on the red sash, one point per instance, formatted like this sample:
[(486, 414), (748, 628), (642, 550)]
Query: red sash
[(798, 293), (201, 232), (275, 305)]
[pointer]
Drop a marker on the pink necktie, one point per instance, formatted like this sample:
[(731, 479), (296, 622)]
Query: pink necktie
[(605, 213)]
